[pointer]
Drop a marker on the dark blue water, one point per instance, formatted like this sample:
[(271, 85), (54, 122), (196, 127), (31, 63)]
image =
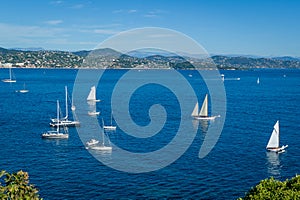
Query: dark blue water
[(63, 169)]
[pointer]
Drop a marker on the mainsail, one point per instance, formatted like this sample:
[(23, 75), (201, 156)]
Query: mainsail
[(204, 109), (274, 139), (92, 94)]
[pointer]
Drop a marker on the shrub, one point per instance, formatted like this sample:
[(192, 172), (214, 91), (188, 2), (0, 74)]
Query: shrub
[(274, 189), (16, 186)]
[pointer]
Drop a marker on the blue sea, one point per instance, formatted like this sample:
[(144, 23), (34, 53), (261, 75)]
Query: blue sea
[(64, 169)]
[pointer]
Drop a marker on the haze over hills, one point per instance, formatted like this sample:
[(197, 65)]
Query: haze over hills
[(109, 58)]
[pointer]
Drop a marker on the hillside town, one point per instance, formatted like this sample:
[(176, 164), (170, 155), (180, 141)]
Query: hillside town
[(108, 58)]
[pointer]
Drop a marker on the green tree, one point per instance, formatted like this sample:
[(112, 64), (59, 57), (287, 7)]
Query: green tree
[(274, 189), (16, 186)]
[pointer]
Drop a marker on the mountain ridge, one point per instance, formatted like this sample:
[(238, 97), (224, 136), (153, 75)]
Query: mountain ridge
[(106, 57)]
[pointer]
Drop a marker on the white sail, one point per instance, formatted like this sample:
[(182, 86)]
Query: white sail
[(92, 95), (274, 139), (257, 80), (204, 109), (195, 111)]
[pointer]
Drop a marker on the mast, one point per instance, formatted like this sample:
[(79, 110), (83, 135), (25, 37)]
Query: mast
[(73, 107), (57, 109), (66, 99), (111, 119), (10, 73), (102, 132), (277, 128)]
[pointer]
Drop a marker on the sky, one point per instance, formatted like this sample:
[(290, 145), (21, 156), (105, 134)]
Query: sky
[(247, 27)]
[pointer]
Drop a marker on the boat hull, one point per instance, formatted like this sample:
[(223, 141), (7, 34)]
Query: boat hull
[(206, 118), (93, 113), (8, 81), (110, 128), (22, 91), (55, 136), (100, 148), (278, 150), (65, 123)]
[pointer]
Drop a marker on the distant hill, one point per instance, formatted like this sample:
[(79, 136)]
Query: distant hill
[(82, 53), (29, 49), (109, 58), (241, 62), (287, 58)]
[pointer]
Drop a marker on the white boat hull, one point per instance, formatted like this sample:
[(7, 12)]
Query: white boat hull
[(100, 148), (110, 128), (65, 123), (8, 81), (279, 149), (93, 113), (55, 136), (93, 100), (206, 118), (23, 91)]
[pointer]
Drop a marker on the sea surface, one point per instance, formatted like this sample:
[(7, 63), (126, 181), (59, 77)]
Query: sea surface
[(64, 169)]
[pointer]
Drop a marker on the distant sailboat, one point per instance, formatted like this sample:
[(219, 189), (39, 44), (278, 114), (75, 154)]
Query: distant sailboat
[(93, 109), (94, 144), (257, 80), (23, 90), (65, 121), (111, 127), (56, 134), (203, 114), (93, 113), (223, 77), (10, 80), (92, 95), (273, 144)]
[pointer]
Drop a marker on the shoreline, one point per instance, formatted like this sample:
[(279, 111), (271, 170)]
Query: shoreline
[(142, 69)]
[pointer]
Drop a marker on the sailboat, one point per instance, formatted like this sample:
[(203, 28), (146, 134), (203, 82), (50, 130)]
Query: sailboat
[(56, 134), (111, 127), (223, 77), (92, 107), (23, 90), (273, 144), (92, 95), (93, 144), (10, 80), (93, 113), (257, 80), (203, 114), (65, 121)]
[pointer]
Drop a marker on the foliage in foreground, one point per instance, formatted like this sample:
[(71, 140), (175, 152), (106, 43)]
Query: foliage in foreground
[(16, 186), (274, 189)]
